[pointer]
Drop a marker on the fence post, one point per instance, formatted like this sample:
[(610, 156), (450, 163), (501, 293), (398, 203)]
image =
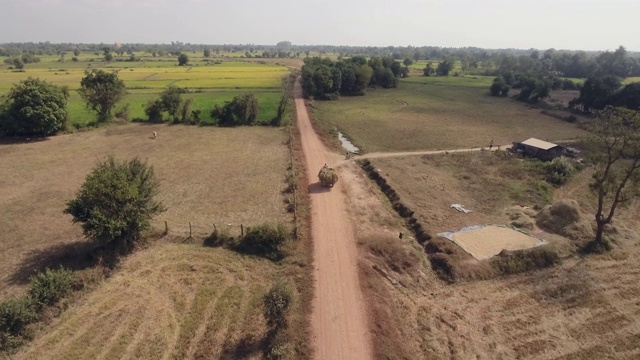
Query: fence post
[(189, 229), (166, 227)]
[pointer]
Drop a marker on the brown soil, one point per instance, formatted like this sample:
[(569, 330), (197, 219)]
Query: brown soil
[(339, 325)]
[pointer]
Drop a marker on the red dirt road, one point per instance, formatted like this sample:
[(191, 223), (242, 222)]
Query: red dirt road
[(338, 321)]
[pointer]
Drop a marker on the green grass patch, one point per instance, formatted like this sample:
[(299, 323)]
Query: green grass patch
[(426, 116)]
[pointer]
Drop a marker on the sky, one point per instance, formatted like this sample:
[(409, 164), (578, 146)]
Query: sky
[(493, 24)]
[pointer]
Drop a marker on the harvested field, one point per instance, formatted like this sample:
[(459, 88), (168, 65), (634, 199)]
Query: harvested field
[(167, 302), (488, 241), (586, 308), (437, 116), (207, 175)]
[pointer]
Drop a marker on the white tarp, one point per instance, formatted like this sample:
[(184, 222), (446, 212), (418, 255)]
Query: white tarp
[(460, 208)]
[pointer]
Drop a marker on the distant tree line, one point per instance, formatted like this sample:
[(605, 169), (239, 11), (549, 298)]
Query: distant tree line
[(536, 76), (324, 78)]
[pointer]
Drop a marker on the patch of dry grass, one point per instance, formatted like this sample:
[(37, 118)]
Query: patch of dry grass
[(207, 175), (169, 301)]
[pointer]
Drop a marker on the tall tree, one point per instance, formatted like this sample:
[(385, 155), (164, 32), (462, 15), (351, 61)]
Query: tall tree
[(101, 91), (616, 181), (34, 107)]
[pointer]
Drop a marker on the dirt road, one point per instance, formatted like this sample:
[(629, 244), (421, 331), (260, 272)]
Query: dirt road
[(339, 324)]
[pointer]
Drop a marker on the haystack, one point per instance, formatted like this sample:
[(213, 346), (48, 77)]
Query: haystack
[(519, 219), (328, 176), (564, 218)]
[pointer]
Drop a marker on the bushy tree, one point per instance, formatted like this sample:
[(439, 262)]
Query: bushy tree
[(116, 202), (499, 87), (183, 59), (154, 111), (171, 100), (101, 91), (444, 67), (34, 107), (207, 52), (596, 92), (242, 110)]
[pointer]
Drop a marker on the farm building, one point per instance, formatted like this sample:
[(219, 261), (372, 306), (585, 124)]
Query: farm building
[(540, 149)]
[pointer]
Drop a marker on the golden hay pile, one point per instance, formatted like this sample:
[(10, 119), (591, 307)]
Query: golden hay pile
[(328, 176), (564, 218)]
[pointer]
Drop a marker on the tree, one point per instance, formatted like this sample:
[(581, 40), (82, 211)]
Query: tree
[(108, 56), (499, 87), (444, 67), (596, 92), (170, 100), (428, 70), (18, 63), (183, 59), (242, 110), (76, 52), (407, 62), (101, 91), (616, 180), (116, 202), (207, 52), (34, 107)]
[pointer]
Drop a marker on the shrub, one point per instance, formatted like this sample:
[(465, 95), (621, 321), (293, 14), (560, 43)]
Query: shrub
[(265, 240), (559, 170), (154, 111), (15, 316), (514, 262), (51, 285), (276, 304)]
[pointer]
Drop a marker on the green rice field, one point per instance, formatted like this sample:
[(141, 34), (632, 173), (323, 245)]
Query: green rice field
[(207, 81)]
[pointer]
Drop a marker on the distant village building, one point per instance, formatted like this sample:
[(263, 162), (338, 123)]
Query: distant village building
[(540, 149)]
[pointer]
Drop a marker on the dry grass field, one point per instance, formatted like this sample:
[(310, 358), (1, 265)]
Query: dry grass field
[(586, 308), (437, 116), (167, 302), (207, 175)]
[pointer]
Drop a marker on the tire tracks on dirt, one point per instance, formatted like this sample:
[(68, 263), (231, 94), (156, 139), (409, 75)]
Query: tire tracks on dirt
[(338, 320)]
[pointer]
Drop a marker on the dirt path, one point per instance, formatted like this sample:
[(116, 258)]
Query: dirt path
[(376, 155), (339, 324)]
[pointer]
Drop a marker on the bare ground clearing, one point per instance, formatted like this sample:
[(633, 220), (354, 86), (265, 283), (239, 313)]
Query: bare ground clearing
[(207, 175)]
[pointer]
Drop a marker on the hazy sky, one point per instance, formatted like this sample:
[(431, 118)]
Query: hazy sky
[(541, 24)]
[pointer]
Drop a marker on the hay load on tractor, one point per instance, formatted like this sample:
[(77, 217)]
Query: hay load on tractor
[(328, 176)]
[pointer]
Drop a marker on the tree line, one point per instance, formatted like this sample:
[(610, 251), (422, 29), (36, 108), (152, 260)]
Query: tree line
[(536, 76), (35, 107), (325, 79)]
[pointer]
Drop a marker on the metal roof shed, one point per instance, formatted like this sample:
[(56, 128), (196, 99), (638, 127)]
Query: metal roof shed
[(540, 144)]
